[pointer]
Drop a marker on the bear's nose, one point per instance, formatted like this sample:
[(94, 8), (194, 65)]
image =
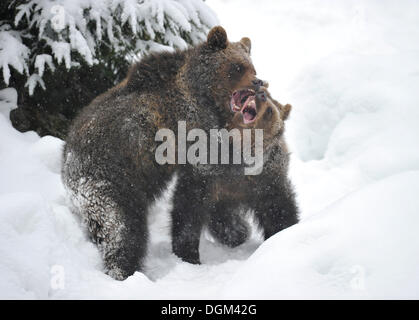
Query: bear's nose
[(257, 82)]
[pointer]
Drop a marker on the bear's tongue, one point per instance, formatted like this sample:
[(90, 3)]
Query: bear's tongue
[(239, 99), (247, 117), (249, 110)]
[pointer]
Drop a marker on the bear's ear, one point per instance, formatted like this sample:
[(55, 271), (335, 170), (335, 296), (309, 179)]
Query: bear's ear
[(217, 38), (286, 110), (247, 43)]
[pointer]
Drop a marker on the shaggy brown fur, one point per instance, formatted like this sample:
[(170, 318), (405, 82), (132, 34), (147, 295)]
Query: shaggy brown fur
[(270, 194), (109, 162)]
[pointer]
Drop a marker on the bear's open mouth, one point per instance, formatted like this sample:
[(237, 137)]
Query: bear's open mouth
[(244, 101)]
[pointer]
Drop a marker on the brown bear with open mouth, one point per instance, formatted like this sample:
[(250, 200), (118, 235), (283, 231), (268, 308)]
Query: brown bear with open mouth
[(270, 194), (256, 109), (110, 170)]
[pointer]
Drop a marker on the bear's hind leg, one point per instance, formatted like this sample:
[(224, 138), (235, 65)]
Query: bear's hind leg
[(124, 251), (119, 231), (275, 207), (227, 225)]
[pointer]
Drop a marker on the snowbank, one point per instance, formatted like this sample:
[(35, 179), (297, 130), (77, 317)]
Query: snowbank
[(350, 70), (362, 246)]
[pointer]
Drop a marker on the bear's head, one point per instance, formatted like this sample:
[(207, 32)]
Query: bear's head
[(259, 111), (220, 69)]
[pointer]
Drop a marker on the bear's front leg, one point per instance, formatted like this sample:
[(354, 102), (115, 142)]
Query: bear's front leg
[(188, 216), (275, 206), (227, 225)]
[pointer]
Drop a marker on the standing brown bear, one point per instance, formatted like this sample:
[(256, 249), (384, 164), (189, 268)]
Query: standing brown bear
[(109, 164)]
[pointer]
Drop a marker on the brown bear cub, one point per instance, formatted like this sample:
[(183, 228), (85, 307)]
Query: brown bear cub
[(111, 173), (260, 111), (269, 194)]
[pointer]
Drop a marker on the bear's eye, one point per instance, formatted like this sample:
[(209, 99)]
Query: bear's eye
[(236, 68)]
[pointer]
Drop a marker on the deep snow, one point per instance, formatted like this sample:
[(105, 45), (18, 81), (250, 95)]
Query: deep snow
[(351, 72)]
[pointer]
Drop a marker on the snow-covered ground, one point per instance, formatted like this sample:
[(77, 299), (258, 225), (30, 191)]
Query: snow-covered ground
[(350, 69)]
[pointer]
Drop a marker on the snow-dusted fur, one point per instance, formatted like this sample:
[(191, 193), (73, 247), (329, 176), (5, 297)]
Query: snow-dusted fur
[(109, 159)]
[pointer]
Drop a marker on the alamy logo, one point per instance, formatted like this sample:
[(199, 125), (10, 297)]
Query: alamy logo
[(219, 147), (57, 280)]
